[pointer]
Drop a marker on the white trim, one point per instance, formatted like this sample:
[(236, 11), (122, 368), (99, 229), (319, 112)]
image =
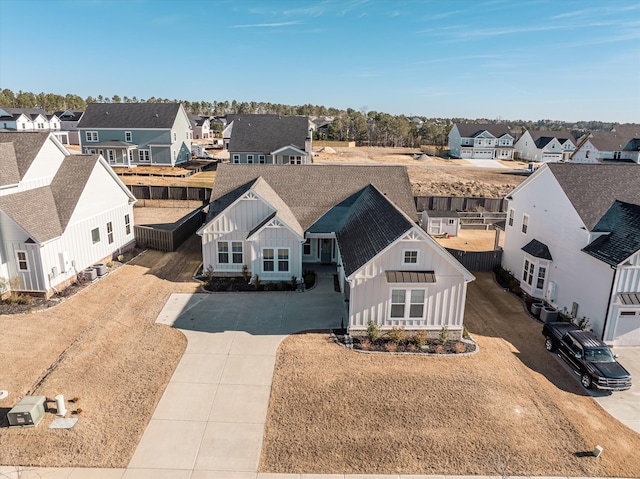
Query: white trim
[(130, 136), (276, 261), (410, 250), (525, 223), (93, 243), (407, 304), (94, 136), (26, 261), (289, 147)]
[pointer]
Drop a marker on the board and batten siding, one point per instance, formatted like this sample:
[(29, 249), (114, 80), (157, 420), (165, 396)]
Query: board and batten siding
[(233, 225), (371, 293), (627, 280), (277, 237)]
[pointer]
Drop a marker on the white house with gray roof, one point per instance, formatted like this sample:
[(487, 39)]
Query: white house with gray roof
[(273, 219), (59, 213), (572, 239), (621, 143), (132, 134), (268, 139), (481, 141), (545, 146)]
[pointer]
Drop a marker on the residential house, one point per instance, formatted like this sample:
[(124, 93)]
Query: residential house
[(69, 122), (437, 222), (621, 143), (201, 126), (268, 139), (28, 119), (481, 141), (273, 219), (545, 146), (131, 134), (59, 213), (572, 238)]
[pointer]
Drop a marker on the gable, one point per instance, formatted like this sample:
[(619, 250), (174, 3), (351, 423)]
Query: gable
[(622, 225)]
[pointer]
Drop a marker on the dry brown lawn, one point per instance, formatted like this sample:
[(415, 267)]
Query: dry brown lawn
[(102, 346), (472, 240), (149, 215), (512, 404), (204, 179)]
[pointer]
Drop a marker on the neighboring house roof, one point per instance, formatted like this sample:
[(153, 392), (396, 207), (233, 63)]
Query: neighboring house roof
[(537, 249), (310, 191), (267, 133), (69, 115), (622, 223), (197, 120), (606, 140), (44, 212), (129, 115), (562, 136), (442, 214), (469, 130), (9, 173), (592, 188), (26, 146), (370, 225), (629, 131), (31, 112)]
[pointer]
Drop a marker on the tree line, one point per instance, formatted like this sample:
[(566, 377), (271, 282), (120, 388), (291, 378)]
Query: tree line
[(365, 127)]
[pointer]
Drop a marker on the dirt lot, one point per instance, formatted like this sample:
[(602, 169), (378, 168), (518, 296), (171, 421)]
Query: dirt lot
[(472, 240), (148, 215), (511, 408), (103, 347), (434, 176)]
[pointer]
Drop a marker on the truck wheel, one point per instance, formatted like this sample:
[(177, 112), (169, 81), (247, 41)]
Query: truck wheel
[(585, 379), (549, 345)]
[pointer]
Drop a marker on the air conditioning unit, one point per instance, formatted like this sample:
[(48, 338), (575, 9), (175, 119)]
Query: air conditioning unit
[(28, 412)]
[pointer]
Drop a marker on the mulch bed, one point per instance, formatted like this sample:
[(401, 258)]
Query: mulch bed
[(385, 345)]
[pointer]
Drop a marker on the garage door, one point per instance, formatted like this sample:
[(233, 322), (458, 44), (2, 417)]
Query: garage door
[(483, 154), (627, 331)]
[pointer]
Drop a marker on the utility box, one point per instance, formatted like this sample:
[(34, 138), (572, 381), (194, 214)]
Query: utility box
[(28, 412)]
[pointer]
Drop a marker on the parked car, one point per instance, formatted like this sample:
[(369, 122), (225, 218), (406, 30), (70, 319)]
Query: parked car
[(587, 355)]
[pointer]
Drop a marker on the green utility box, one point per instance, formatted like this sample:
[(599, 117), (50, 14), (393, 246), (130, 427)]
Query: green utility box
[(28, 412)]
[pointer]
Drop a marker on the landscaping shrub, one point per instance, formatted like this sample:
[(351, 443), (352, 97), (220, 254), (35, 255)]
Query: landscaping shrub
[(460, 347), (397, 335), (309, 277), (293, 283), (444, 335), (373, 331), (420, 338), (391, 347)]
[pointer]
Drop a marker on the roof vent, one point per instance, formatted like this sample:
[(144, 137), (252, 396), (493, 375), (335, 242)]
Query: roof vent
[(156, 115), (106, 112)]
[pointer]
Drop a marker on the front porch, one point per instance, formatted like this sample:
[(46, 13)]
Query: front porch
[(117, 153)]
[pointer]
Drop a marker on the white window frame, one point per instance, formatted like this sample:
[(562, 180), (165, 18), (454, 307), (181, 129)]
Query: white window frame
[(127, 224), (110, 232), (220, 252), (276, 259), (234, 253), (406, 312), (250, 159), (541, 269), (175, 136), (236, 158), (525, 224), (452, 221), (130, 155), (527, 272), (128, 137), (261, 159), (24, 260), (407, 251), (512, 216), (306, 245), (93, 240), (111, 156), (146, 153), (91, 136)]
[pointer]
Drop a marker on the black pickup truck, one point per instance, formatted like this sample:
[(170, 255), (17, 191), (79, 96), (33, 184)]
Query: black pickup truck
[(587, 355)]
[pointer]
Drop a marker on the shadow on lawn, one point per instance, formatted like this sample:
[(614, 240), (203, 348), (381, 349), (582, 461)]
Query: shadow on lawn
[(494, 312)]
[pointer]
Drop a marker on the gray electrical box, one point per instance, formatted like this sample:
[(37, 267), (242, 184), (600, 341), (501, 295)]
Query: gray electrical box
[(28, 412)]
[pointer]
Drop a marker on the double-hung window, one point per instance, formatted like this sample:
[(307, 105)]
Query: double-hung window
[(407, 303), (267, 260), (23, 263), (127, 225), (110, 232), (261, 158), (91, 135), (527, 274), (144, 155), (236, 158), (306, 247), (525, 223), (271, 263), (127, 136), (223, 252), (542, 273), (249, 158), (236, 252), (512, 216)]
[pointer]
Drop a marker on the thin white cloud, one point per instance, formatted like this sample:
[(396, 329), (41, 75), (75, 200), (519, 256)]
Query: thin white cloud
[(268, 25)]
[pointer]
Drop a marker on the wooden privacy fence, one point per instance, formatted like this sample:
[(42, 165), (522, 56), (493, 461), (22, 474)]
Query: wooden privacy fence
[(145, 192), (459, 203), (477, 260), (168, 237)]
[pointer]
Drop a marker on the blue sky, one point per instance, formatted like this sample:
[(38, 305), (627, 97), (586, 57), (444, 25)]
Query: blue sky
[(540, 59)]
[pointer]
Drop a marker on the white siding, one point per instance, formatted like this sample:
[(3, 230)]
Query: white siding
[(45, 165), (277, 237), (580, 278), (627, 280), (445, 299)]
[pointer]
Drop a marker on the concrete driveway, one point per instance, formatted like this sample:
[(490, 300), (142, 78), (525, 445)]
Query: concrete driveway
[(624, 405), (210, 420)]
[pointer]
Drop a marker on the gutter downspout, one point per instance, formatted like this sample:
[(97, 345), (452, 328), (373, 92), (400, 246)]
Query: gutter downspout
[(606, 316)]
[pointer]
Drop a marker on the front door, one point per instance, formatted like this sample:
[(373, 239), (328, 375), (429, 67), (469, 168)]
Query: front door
[(326, 248)]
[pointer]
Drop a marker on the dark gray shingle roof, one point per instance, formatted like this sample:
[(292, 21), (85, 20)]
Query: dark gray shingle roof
[(369, 226), (560, 135), (622, 222), (267, 133), (537, 249), (310, 191), (593, 188), (26, 146), (129, 115), (468, 130)]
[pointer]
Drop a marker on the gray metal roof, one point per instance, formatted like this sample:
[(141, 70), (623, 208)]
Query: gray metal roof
[(592, 188), (310, 191), (410, 276), (537, 249), (622, 223), (26, 146), (267, 133), (129, 115), (629, 298)]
